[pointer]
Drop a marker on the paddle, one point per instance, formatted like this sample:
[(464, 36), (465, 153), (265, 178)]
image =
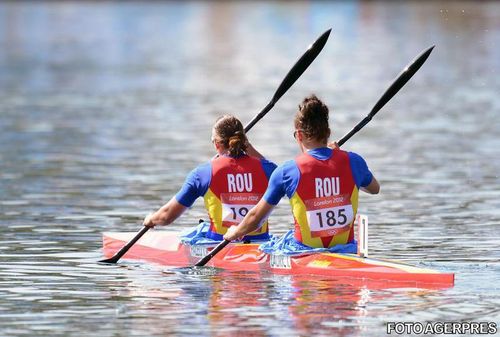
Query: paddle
[(125, 248), (397, 84), (293, 75)]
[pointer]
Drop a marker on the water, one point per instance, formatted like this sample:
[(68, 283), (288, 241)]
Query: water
[(106, 107)]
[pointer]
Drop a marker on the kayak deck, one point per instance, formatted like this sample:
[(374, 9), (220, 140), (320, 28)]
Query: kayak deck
[(165, 248)]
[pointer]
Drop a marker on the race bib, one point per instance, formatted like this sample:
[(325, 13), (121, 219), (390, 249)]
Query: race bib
[(236, 205), (329, 216)]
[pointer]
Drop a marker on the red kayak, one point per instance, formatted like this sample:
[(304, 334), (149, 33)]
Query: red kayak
[(165, 248)]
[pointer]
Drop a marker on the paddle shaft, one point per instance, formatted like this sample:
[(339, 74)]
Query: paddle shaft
[(259, 116), (393, 89), (212, 253), (125, 248)]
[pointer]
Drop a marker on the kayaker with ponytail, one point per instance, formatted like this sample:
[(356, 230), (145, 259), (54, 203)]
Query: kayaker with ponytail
[(322, 184), (231, 184)]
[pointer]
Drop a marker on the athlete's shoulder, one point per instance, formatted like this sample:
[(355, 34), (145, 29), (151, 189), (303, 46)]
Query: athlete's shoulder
[(195, 185), (203, 169), (268, 166), (266, 161), (354, 157), (288, 164), (286, 167), (360, 170)]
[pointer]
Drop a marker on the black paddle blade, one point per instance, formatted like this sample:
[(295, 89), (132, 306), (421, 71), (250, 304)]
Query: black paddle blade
[(109, 261), (212, 253), (293, 75), (301, 65), (393, 89), (401, 80), (114, 259)]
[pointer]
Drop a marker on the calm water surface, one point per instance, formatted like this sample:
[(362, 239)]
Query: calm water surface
[(106, 107)]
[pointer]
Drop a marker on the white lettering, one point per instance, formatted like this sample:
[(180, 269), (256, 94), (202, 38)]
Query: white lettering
[(248, 182), (327, 187), (239, 182), (319, 187), (335, 186), (230, 183)]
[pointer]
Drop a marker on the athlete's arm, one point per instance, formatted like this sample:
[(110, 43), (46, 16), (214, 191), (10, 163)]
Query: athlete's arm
[(372, 188), (166, 214), (251, 222), (251, 151), (362, 175), (196, 185)]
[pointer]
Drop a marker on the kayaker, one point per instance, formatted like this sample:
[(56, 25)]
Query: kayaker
[(231, 184), (322, 184)]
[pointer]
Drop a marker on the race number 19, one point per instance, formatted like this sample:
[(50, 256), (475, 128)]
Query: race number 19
[(238, 212), (233, 214)]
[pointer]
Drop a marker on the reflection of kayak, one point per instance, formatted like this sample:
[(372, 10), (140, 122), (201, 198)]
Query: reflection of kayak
[(165, 248)]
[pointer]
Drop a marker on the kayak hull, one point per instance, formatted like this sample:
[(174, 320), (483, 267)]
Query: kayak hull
[(165, 248)]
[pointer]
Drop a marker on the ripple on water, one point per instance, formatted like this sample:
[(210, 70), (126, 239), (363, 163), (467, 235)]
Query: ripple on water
[(92, 139)]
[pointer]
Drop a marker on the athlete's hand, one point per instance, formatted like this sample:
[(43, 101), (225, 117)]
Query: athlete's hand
[(232, 234), (148, 221), (333, 145)]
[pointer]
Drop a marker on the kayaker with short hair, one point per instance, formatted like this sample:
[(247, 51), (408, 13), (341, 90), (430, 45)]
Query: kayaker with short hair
[(231, 183), (322, 184)]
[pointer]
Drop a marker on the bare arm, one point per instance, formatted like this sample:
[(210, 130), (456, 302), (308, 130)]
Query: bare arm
[(251, 151), (250, 222), (372, 188), (166, 214)]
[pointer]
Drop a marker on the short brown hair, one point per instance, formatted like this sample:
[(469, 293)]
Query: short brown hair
[(230, 133), (312, 119)]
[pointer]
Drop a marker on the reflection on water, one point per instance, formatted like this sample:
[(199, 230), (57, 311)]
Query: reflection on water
[(105, 108)]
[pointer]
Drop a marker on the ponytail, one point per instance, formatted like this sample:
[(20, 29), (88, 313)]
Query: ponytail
[(237, 144), (230, 133)]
